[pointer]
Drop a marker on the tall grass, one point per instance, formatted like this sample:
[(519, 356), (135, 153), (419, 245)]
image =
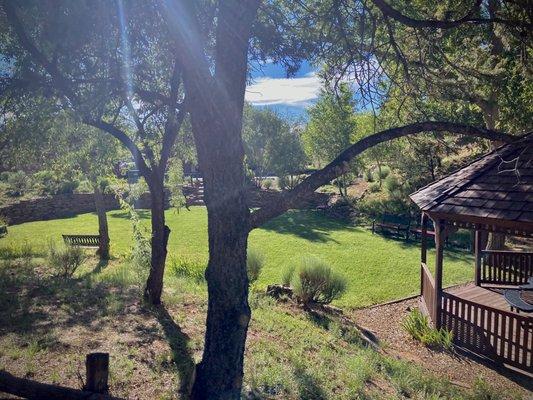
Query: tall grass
[(254, 263), (22, 249), (183, 267), (417, 325)]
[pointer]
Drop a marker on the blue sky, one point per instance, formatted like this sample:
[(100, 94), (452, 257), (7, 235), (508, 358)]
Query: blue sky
[(271, 88)]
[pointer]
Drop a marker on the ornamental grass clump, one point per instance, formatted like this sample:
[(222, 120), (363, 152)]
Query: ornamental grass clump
[(254, 263), (314, 282), (189, 268), (64, 261), (417, 325)]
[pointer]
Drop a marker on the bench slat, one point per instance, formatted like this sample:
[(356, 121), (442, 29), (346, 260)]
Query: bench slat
[(82, 240)]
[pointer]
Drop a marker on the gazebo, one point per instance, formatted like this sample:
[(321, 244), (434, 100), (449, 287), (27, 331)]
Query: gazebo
[(492, 194)]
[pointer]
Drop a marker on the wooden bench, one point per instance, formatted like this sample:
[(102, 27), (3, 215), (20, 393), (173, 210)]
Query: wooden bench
[(393, 224), (82, 240), (417, 230)]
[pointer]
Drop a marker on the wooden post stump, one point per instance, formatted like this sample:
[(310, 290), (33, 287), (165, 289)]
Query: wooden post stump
[(97, 372)]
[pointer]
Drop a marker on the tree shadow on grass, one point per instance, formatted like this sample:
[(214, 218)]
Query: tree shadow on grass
[(307, 224), (177, 340), (320, 319), (450, 252), (36, 303), (308, 387)]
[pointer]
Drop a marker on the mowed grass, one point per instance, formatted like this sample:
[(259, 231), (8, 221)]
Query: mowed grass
[(378, 269)]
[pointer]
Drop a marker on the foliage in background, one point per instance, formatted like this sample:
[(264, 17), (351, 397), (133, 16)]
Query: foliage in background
[(332, 128), (272, 145), (18, 182), (174, 182)]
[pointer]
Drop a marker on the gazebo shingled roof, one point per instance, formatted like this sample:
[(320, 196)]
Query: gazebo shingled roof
[(495, 192)]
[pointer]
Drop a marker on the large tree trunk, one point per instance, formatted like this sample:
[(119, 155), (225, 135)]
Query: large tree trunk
[(103, 231), (160, 234), (219, 375), (220, 155)]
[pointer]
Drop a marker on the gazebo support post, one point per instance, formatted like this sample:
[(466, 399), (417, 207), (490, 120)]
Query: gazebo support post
[(423, 239), (423, 249), (478, 254), (440, 226)]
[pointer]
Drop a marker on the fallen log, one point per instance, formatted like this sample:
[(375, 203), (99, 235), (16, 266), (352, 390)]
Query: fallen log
[(33, 390)]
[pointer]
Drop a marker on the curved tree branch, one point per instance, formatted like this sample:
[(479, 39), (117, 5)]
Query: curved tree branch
[(125, 140), (338, 166), (393, 13)]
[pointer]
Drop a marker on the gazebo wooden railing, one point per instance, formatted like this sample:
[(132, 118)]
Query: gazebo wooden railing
[(504, 267), (501, 335), (427, 285)]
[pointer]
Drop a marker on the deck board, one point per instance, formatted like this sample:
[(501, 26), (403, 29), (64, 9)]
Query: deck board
[(492, 297)]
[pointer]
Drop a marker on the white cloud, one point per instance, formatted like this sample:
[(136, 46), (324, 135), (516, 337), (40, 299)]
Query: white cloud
[(298, 92)]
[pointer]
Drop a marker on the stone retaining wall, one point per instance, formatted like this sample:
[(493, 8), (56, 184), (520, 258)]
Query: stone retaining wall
[(67, 205), (59, 206)]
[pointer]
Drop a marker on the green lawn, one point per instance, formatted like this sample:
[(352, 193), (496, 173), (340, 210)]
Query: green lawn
[(378, 269)]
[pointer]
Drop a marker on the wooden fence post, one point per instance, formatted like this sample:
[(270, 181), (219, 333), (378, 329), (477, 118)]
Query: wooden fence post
[(478, 254), (440, 226), (97, 372)]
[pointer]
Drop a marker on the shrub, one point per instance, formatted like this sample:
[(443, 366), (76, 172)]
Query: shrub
[(18, 183), (315, 282), (85, 187), (288, 181), (374, 187), (382, 173), (47, 182), (67, 187), (267, 184), (188, 268), (392, 183), (254, 263), (65, 261), (369, 177), (4, 176), (417, 325)]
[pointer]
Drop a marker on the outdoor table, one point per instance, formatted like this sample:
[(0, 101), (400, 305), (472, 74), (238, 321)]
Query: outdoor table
[(521, 300)]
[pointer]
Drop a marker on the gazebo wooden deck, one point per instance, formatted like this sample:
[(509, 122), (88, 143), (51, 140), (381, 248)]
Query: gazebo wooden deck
[(492, 194)]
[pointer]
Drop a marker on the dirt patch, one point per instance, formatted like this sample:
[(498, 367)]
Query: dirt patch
[(385, 321)]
